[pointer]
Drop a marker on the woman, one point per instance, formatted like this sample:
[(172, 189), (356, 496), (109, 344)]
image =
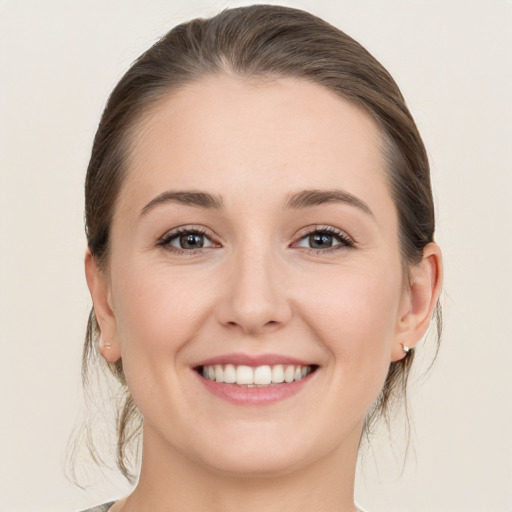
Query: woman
[(261, 260)]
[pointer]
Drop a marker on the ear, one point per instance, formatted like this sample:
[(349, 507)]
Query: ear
[(99, 288), (420, 299)]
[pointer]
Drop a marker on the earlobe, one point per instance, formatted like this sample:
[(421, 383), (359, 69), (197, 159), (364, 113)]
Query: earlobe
[(99, 289), (423, 292), (109, 353)]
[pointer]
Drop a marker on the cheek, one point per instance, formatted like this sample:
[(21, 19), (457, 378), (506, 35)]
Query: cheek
[(157, 312), (355, 312)]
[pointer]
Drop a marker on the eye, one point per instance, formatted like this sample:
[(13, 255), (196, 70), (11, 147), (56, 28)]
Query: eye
[(325, 239), (186, 240)]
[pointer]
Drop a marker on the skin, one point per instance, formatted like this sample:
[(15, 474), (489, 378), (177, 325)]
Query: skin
[(256, 287)]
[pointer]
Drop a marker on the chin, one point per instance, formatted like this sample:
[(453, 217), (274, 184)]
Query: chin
[(256, 464), (263, 457)]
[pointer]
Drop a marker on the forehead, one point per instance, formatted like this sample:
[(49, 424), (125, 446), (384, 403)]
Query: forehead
[(264, 136)]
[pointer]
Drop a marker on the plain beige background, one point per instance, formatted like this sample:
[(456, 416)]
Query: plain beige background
[(453, 60)]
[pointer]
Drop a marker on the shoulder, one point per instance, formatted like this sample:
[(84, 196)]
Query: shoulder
[(100, 508)]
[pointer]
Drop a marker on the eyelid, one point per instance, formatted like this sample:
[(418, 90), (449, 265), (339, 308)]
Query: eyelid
[(170, 235), (346, 241)]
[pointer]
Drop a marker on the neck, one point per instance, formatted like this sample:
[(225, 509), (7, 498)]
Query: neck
[(172, 482)]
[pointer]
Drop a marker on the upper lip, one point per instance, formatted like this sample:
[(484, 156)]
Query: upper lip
[(237, 359)]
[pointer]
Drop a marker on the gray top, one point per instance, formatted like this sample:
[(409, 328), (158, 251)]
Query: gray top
[(100, 508), (106, 506)]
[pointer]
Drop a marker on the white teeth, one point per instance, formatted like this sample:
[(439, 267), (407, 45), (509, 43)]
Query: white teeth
[(264, 375), (229, 374), (289, 374), (244, 375), (219, 373), (277, 374)]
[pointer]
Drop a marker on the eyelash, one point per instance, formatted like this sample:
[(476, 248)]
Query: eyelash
[(166, 240), (345, 242)]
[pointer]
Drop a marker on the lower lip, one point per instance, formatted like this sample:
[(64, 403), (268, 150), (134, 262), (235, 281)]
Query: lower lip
[(242, 395)]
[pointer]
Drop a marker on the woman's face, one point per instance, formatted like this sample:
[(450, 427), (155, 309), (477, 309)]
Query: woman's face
[(255, 238)]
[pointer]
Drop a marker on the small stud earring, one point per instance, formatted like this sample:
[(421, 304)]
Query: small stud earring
[(407, 350), (105, 344)]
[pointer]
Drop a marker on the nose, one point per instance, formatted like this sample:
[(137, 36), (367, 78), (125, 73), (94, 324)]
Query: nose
[(254, 298)]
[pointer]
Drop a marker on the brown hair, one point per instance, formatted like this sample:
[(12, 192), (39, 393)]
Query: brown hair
[(257, 41)]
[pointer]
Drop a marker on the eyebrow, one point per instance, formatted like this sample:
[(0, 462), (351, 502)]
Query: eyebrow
[(190, 198), (298, 200), (308, 198)]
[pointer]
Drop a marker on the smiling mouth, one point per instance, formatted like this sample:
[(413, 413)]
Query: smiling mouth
[(259, 376)]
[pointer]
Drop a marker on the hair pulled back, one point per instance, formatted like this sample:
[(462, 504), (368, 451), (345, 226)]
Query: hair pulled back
[(256, 41)]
